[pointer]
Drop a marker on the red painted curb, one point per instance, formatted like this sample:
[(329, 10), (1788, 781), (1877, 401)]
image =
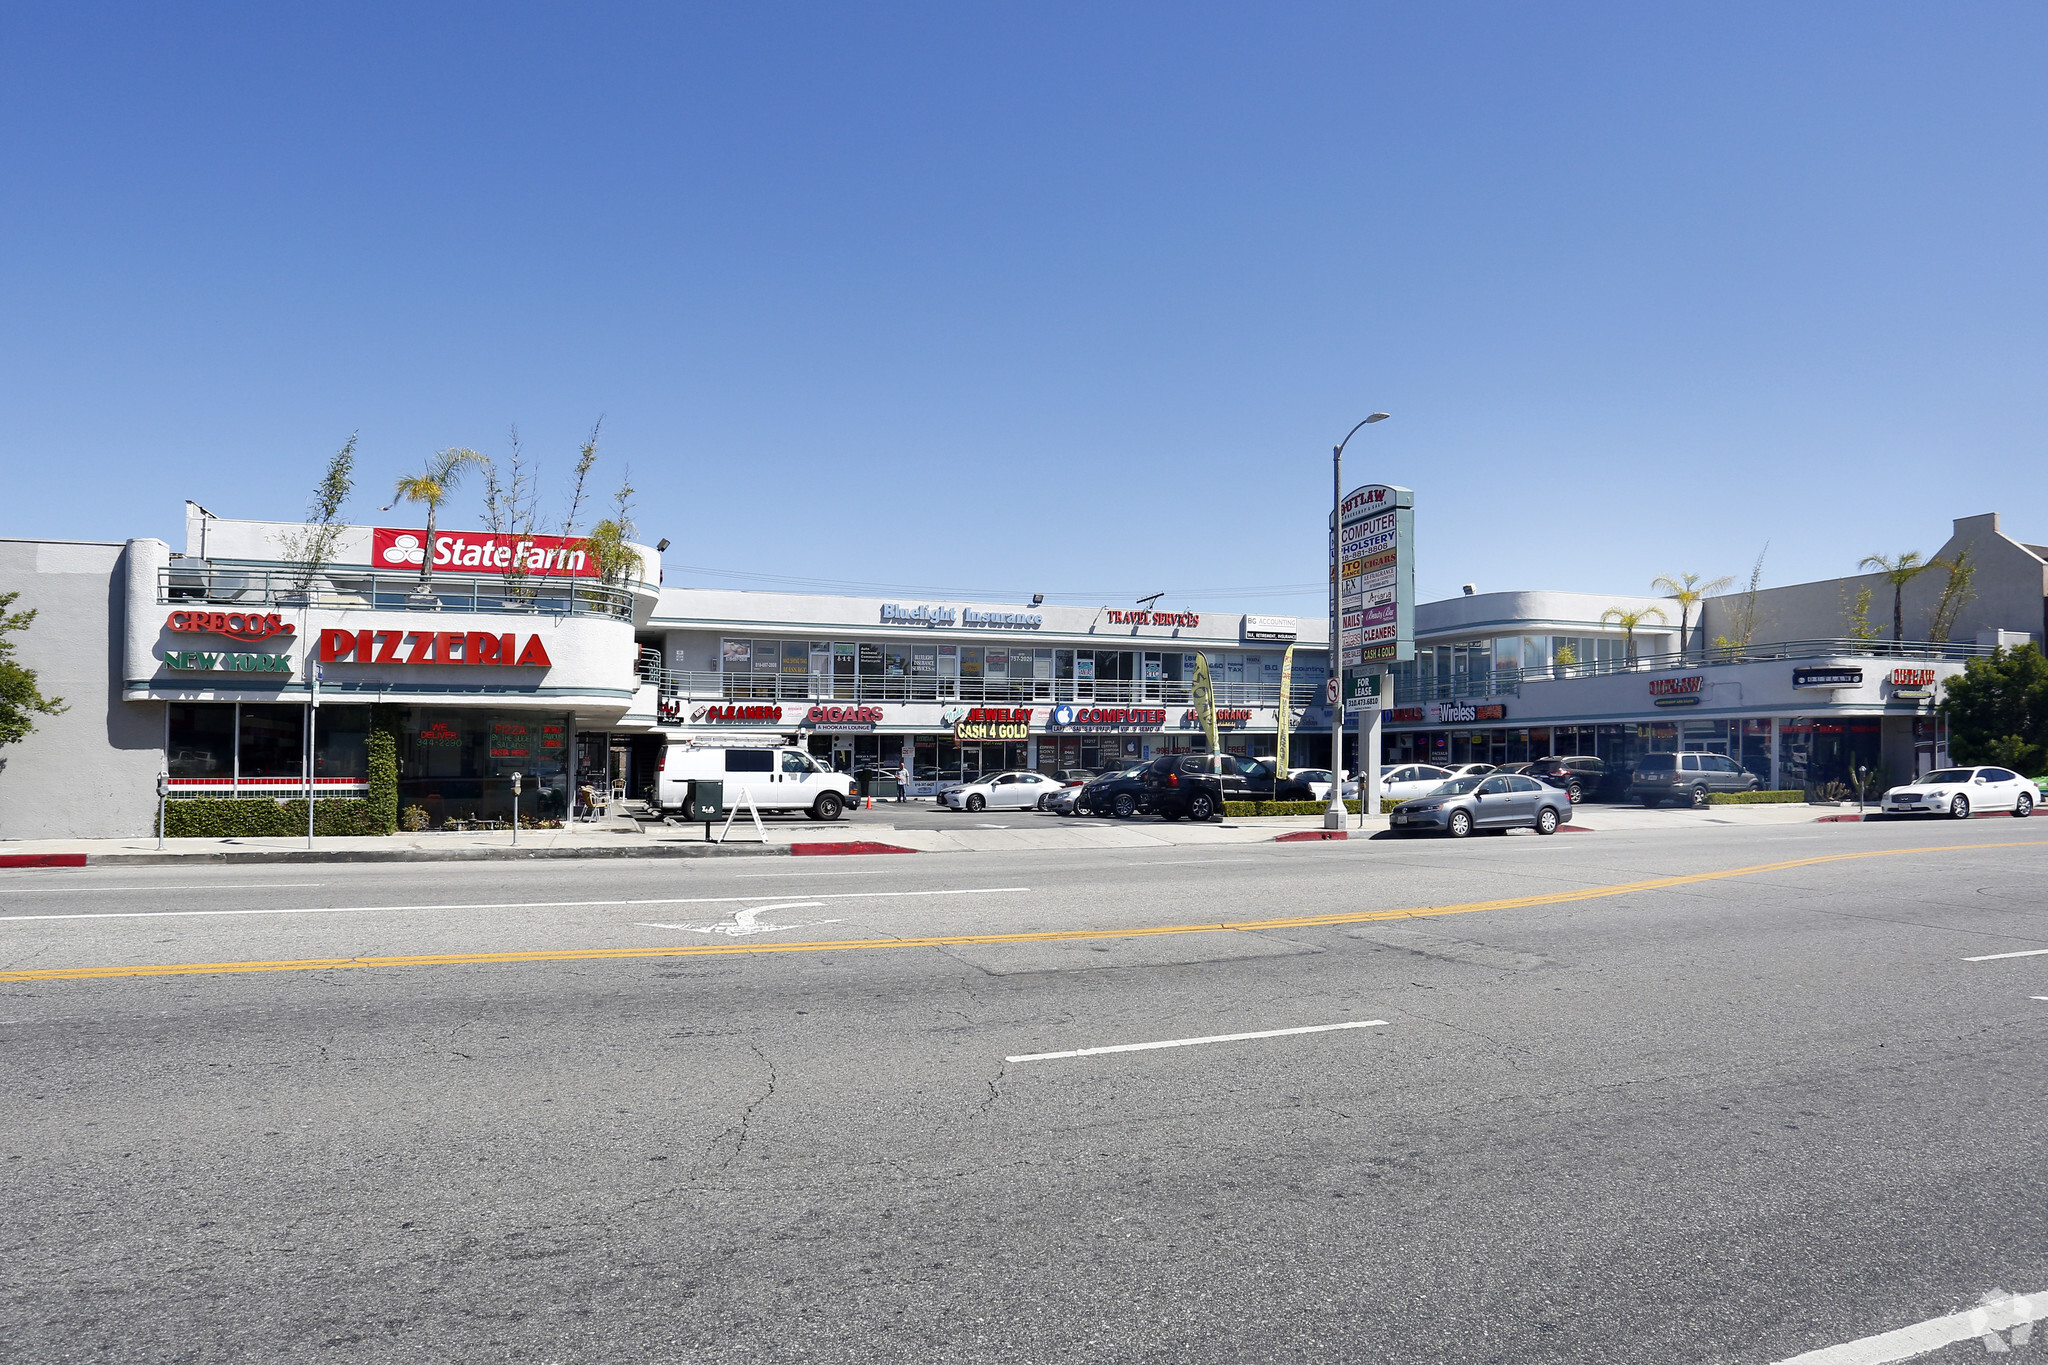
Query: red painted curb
[(1310, 835), (1575, 829), (42, 860), (852, 846), (1852, 819)]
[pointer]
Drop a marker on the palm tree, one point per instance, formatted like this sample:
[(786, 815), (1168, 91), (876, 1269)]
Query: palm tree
[(432, 487), (1688, 589), (1899, 571), (1628, 621)]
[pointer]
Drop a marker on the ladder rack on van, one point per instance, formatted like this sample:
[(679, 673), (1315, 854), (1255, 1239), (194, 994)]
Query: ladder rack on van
[(733, 741)]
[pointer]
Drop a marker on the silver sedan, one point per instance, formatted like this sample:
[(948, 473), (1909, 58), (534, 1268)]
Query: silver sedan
[(1491, 805)]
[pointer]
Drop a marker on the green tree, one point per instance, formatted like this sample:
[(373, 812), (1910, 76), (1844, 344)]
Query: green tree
[(1899, 570), (1956, 594), (1688, 590), (1998, 710), (432, 487), (311, 546), (1858, 615), (21, 696), (1628, 621)]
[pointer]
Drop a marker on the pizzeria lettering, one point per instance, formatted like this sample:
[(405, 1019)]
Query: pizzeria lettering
[(432, 647)]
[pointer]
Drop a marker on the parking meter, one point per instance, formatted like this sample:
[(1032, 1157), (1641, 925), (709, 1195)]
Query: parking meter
[(515, 782), (515, 806), (163, 796)]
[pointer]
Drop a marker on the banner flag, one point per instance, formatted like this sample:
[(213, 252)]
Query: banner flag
[(1205, 702), (1286, 759)]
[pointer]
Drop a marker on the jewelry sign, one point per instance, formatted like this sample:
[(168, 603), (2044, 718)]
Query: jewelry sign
[(1372, 560)]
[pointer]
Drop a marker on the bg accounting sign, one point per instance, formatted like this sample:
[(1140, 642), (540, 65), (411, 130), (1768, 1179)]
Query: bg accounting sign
[(432, 647), (994, 722), (484, 552), (1678, 691)]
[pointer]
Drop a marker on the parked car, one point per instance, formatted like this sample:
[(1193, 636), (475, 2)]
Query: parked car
[(1409, 780), (1493, 804), (999, 791), (1192, 785), (1687, 778), (1472, 769), (773, 779), (1512, 768), (1578, 775), (1121, 794), (1961, 793), (1068, 779)]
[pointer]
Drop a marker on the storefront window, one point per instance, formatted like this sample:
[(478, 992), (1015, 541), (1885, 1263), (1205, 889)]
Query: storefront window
[(272, 742), (456, 764), (201, 740), (341, 740)]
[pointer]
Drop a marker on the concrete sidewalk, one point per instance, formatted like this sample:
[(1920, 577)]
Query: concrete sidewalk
[(802, 837)]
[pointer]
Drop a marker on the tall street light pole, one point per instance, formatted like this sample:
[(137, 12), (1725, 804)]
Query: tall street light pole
[(1333, 818)]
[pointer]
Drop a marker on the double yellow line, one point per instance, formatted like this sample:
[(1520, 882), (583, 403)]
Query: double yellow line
[(322, 964)]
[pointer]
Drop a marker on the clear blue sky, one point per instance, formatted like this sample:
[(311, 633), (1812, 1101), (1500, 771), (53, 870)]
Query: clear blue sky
[(1038, 298)]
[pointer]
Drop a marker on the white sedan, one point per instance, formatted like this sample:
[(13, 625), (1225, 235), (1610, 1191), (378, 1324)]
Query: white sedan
[(999, 791), (1962, 792), (1411, 780)]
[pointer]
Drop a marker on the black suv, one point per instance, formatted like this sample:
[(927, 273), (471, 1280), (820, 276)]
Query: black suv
[(1580, 777), (1119, 792), (1194, 785)]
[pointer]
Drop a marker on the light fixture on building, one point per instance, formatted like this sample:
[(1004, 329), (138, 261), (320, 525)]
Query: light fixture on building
[(1038, 599), (661, 545), (1470, 588)]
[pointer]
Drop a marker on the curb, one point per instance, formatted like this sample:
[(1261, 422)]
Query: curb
[(1311, 836), (481, 855), (42, 860), (851, 846)]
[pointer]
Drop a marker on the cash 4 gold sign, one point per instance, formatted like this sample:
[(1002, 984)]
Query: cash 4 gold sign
[(994, 722)]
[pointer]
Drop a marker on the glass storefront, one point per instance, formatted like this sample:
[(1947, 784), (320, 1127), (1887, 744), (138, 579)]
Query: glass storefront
[(241, 741), (455, 763)]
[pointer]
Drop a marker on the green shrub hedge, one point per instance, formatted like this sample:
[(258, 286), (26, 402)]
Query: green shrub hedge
[(1754, 798), (1282, 807), (263, 817), (383, 768)]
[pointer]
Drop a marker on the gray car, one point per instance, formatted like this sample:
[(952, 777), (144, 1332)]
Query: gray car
[(1687, 779), (1491, 805)]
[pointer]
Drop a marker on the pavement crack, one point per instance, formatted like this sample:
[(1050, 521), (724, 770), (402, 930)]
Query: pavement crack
[(741, 1131), (1460, 1028), (995, 1090)]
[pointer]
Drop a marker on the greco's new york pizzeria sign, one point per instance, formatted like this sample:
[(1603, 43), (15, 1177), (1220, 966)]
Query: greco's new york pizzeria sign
[(433, 647)]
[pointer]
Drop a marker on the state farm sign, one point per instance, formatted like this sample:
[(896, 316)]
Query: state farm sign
[(485, 552)]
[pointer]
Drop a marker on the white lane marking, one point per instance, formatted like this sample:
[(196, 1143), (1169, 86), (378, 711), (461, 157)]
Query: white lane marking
[(503, 905), (843, 872), (1994, 1314), (748, 921), (147, 890), (1999, 957), (2041, 997), (1192, 1042), (1193, 862)]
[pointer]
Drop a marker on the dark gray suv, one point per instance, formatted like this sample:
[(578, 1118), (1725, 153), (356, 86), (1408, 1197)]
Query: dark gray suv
[(1687, 779)]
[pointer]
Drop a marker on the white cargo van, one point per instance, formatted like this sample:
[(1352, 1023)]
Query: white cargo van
[(774, 776)]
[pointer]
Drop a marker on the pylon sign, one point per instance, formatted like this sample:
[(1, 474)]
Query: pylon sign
[(1372, 559)]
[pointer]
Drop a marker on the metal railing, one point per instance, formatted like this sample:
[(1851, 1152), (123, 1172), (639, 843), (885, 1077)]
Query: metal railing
[(983, 691), (255, 584), (1507, 682)]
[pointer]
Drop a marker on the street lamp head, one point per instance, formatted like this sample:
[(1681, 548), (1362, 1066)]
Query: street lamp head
[(1379, 417)]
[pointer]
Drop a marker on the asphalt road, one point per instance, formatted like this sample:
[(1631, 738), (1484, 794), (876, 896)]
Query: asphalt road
[(1760, 1106)]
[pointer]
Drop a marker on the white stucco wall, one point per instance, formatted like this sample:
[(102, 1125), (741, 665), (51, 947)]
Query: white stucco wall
[(90, 772)]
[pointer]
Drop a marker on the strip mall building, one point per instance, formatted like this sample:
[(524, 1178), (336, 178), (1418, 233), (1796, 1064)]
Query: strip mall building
[(204, 664)]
